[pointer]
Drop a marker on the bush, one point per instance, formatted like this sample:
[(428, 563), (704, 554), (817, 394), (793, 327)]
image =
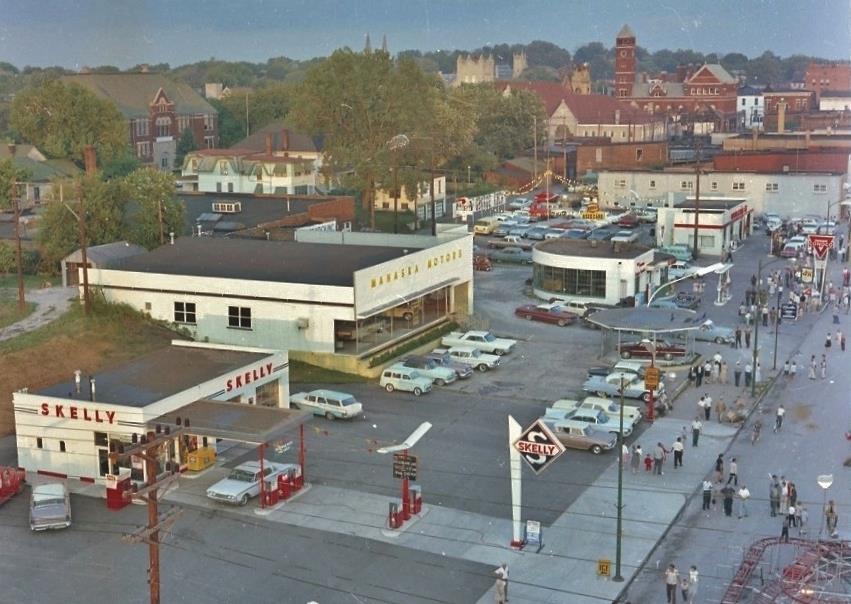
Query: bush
[(8, 263), (424, 338)]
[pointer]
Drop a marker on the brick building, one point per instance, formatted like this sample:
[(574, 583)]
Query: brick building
[(624, 62), (820, 77), (157, 110), (786, 109), (814, 160), (605, 155)]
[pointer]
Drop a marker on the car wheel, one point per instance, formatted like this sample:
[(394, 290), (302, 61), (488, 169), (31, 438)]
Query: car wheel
[(417, 391), (440, 382), (601, 394), (668, 356), (329, 415), (561, 322), (389, 388), (645, 397), (625, 354), (596, 449), (719, 340), (243, 500), (482, 367), (527, 317)]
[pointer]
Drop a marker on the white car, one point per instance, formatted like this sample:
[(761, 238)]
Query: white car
[(483, 340), (611, 407), (473, 357), (625, 237), (680, 269), (595, 418), (243, 482), (50, 507), (330, 403)]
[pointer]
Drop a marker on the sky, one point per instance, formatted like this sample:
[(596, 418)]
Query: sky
[(77, 33)]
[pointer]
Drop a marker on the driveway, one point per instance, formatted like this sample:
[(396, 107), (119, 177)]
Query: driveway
[(51, 303)]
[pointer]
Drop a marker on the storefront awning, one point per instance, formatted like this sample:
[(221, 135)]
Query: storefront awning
[(235, 421), (404, 299)]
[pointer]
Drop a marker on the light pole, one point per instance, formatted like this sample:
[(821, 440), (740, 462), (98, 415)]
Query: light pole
[(651, 404), (408, 443), (777, 325), (756, 323), (824, 481), (698, 273), (618, 577)]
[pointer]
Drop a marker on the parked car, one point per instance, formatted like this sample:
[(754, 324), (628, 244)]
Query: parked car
[(512, 254), (482, 340), (629, 220), (520, 230), (791, 250), (444, 359), (648, 214), (482, 263), (243, 482), (554, 233), (664, 303), (504, 228), (330, 403), (680, 269), (537, 233), (601, 234), (664, 350), (710, 332), (599, 420), (633, 386), (430, 369), (519, 203), (473, 357), (547, 313), (579, 435), (631, 366), (678, 251), (574, 234), (50, 506), (681, 300), (609, 406), (405, 379), (625, 237)]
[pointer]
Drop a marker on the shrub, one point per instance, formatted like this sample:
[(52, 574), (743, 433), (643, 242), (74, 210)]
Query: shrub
[(428, 336)]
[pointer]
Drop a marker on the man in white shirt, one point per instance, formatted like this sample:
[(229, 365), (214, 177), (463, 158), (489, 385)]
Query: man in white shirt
[(696, 427), (778, 418), (677, 448), (744, 495), (501, 583)]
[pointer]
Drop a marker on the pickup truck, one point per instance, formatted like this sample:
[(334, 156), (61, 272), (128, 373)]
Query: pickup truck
[(483, 340), (473, 357)]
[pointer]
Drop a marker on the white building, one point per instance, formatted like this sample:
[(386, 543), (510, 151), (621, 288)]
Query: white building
[(421, 201), (66, 429), (720, 220), (234, 171), (835, 100), (750, 107), (328, 296), (785, 193), (595, 271)]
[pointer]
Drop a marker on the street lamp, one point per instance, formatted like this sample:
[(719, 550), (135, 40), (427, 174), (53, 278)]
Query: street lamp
[(756, 323), (618, 577), (651, 348), (824, 481), (698, 273), (777, 324)]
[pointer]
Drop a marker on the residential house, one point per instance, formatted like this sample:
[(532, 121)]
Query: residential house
[(247, 171), (750, 108), (279, 140), (157, 110), (420, 201), (821, 77), (42, 174), (785, 107)]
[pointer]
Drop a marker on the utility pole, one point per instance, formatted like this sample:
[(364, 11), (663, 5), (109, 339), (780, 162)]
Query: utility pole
[(81, 227), (535, 150), (431, 194), (148, 448), (19, 254), (696, 202), (396, 199), (618, 576)]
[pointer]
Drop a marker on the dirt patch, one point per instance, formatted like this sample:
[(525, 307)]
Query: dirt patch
[(803, 412), (50, 354)]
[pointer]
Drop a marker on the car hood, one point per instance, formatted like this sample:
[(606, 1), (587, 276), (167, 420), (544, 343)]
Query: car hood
[(230, 487)]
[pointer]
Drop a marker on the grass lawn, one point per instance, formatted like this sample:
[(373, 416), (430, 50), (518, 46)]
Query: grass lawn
[(9, 312), (302, 373), (112, 335), (10, 280)]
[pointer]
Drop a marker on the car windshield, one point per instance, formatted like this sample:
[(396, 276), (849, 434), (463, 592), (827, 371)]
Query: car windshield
[(348, 401), (489, 337), (474, 353), (49, 501), (241, 475), (603, 418)]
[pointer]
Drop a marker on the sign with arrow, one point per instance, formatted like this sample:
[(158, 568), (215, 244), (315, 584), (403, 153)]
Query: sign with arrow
[(538, 446), (821, 244)]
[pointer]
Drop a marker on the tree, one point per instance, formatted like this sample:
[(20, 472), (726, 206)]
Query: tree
[(119, 165), (546, 54), (153, 210), (261, 106), (185, 144), (231, 128), (9, 177), (61, 120), (597, 57), (734, 61), (540, 73)]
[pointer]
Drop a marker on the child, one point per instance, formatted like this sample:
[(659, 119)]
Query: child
[(648, 463)]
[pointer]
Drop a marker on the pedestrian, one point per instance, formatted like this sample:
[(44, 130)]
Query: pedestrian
[(823, 366), (684, 435), (790, 514), (812, 372), (831, 518), (696, 427), (693, 580), (793, 369), (691, 375), (648, 462), (501, 583), (672, 578), (838, 338), (727, 492), (635, 459), (722, 372), (793, 493), (784, 532), (684, 589), (764, 313), (698, 375), (748, 374), (737, 373), (738, 336), (677, 448), (734, 472), (786, 369), (707, 407), (708, 372), (658, 459), (774, 495), (748, 336), (827, 340), (842, 342), (778, 417), (803, 519), (707, 494), (720, 408), (744, 495), (719, 467), (784, 494)]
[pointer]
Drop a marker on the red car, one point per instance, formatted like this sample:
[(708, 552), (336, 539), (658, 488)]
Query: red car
[(548, 313), (628, 220), (664, 350), (482, 263)]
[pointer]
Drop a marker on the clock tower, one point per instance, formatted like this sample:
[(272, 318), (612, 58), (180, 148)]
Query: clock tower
[(624, 62)]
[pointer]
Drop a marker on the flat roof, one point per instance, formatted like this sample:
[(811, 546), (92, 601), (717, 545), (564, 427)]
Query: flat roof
[(155, 376), (253, 424), (584, 247), (712, 204), (643, 318), (261, 260)]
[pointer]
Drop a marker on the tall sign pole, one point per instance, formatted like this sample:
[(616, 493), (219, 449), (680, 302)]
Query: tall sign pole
[(514, 466), (618, 576)]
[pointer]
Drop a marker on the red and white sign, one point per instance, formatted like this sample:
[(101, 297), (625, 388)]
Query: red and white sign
[(538, 446), (65, 411), (245, 378), (821, 244)]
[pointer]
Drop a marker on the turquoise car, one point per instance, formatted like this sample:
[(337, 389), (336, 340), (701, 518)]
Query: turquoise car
[(680, 252)]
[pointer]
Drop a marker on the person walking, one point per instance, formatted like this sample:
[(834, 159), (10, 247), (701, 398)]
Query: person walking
[(842, 342), (722, 372), (728, 492), (698, 375), (744, 495), (831, 518), (707, 494), (734, 473), (778, 417), (672, 579), (748, 374), (823, 367), (738, 336), (813, 365), (748, 336), (784, 494), (793, 369), (684, 589), (501, 583), (786, 368), (677, 448), (693, 580), (709, 374), (658, 459), (719, 467), (838, 337), (737, 373), (827, 340), (784, 531), (696, 427), (790, 514), (635, 459), (774, 495)]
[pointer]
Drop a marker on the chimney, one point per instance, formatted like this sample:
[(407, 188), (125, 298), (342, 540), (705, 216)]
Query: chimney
[(285, 140), (617, 116), (90, 159), (754, 137), (12, 149), (269, 144), (92, 388), (781, 117)]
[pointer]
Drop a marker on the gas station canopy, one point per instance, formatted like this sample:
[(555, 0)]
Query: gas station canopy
[(235, 421), (642, 318)]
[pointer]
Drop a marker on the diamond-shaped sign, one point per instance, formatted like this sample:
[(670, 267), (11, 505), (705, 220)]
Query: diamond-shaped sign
[(821, 243), (538, 446)]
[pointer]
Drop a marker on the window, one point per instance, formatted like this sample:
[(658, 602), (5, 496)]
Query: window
[(61, 446), (771, 187), (101, 439), (210, 141), (744, 101), (147, 306), (570, 281), (184, 312), (230, 187), (143, 149), (639, 153), (686, 185), (223, 168), (39, 443), (163, 125), (652, 184), (598, 155), (817, 188), (385, 205), (239, 317), (218, 187), (620, 183), (140, 127), (707, 241), (738, 185), (164, 162)]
